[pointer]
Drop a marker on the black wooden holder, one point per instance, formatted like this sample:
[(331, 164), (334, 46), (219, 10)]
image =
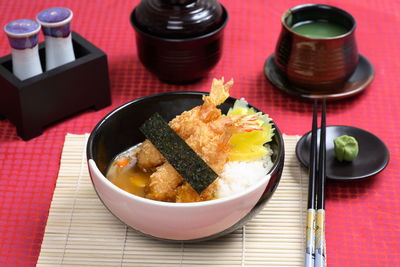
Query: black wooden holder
[(34, 103)]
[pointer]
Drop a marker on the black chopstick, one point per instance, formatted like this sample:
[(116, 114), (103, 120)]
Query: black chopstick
[(315, 224), (310, 222), (320, 217)]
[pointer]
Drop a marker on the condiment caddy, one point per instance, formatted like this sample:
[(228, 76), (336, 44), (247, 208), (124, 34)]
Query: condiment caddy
[(76, 82)]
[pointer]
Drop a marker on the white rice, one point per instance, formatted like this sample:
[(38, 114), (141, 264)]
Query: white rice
[(239, 175)]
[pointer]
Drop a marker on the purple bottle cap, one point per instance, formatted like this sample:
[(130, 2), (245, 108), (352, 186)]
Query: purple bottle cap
[(55, 21), (22, 33), (22, 28), (55, 16)]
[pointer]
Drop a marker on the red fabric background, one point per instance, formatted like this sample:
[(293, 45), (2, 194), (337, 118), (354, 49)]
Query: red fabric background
[(362, 216)]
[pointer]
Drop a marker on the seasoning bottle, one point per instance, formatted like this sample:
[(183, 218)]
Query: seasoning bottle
[(23, 36), (56, 26)]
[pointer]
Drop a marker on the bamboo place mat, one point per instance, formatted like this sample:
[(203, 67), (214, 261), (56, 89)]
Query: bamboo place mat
[(81, 232)]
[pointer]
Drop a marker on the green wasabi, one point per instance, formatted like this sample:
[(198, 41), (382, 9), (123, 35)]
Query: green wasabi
[(346, 148)]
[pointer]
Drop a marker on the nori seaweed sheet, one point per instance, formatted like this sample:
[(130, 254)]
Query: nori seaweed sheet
[(179, 154)]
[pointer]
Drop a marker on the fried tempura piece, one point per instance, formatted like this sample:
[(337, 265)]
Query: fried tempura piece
[(163, 183), (207, 132), (186, 123), (196, 127), (186, 193), (148, 156), (209, 192), (212, 147)]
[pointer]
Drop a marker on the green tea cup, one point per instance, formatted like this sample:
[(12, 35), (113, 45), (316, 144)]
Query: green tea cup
[(317, 50)]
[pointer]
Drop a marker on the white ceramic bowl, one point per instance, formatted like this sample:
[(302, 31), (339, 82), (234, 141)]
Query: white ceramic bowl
[(171, 221)]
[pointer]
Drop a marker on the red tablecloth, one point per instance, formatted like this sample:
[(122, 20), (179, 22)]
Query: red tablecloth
[(362, 216)]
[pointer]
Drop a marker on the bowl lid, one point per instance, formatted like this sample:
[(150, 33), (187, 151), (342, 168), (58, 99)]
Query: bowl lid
[(178, 18)]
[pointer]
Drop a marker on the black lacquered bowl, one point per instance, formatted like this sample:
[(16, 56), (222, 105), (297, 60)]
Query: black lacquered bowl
[(198, 221), (179, 60)]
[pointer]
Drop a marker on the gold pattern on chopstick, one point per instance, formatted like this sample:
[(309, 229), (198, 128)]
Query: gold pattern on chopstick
[(310, 227), (319, 227)]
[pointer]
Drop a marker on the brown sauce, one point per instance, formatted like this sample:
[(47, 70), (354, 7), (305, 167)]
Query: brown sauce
[(124, 173)]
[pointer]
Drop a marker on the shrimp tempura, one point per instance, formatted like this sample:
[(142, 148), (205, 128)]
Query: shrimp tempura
[(207, 131)]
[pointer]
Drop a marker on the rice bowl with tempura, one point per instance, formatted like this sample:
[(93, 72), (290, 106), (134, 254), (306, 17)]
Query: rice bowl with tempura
[(245, 181), (234, 145)]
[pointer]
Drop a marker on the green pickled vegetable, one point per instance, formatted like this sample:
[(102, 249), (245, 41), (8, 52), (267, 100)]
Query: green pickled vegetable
[(346, 148)]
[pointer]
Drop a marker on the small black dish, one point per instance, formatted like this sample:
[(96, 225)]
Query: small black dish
[(373, 155), (362, 76)]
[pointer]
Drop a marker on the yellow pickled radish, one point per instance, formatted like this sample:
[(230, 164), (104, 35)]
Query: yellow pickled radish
[(247, 152), (241, 111), (249, 145), (254, 137)]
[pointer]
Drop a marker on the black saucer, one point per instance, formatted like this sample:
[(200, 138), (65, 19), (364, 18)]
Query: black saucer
[(372, 158), (359, 80)]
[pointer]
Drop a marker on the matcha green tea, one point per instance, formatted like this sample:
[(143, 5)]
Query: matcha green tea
[(319, 29)]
